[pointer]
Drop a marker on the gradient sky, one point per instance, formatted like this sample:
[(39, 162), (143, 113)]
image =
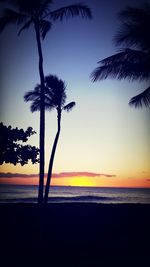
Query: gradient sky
[(102, 135)]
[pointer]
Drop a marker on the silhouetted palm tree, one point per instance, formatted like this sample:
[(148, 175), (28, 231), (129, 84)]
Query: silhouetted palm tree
[(132, 63), (39, 14), (55, 97)]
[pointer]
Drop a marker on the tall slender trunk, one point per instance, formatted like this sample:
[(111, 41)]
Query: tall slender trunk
[(49, 175), (42, 115)]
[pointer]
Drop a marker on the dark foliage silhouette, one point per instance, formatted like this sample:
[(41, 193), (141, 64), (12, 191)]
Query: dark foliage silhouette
[(13, 152), (133, 62), (39, 14), (55, 98)]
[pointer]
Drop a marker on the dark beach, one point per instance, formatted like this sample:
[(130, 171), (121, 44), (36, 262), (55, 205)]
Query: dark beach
[(75, 234)]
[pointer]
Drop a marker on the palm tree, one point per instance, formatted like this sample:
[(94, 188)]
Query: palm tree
[(38, 13), (133, 62), (55, 97)]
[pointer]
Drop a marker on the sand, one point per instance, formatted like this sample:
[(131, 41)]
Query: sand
[(75, 234)]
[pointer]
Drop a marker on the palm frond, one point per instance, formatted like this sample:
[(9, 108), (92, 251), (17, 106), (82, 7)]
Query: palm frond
[(11, 17), (142, 99), (25, 26), (33, 94), (30, 7), (69, 106), (133, 36), (45, 26), (57, 90), (44, 8), (35, 106), (129, 63), (135, 14), (71, 11), (134, 29)]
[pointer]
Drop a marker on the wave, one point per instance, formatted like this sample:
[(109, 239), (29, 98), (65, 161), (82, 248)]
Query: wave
[(58, 199), (81, 198)]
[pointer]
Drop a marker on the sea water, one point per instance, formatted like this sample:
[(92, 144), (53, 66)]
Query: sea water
[(28, 194)]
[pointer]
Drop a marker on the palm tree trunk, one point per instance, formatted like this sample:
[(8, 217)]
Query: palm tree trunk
[(42, 115), (49, 175)]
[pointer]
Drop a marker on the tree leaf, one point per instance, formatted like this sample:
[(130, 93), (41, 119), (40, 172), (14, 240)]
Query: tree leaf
[(128, 64), (71, 11), (142, 99), (11, 17), (45, 26), (26, 26), (69, 106)]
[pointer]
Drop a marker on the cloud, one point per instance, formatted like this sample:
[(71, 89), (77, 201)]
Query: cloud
[(57, 175), (79, 174), (15, 175), (75, 174), (148, 180)]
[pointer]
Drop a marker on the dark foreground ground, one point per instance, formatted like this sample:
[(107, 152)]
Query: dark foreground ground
[(75, 235)]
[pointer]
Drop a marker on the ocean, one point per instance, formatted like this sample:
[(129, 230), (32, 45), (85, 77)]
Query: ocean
[(59, 194)]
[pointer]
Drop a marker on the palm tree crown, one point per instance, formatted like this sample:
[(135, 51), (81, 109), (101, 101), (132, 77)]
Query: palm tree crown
[(55, 95), (133, 62), (27, 12)]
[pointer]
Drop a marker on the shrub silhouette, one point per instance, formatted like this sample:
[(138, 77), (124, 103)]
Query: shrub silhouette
[(13, 152)]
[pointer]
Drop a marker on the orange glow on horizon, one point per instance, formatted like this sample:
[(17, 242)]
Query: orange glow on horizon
[(81, 181)]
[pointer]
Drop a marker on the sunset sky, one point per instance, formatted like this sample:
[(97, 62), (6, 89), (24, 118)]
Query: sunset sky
[(103, 141)]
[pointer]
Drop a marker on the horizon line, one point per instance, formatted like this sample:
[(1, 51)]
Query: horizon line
[(122, 187), (57, 175)]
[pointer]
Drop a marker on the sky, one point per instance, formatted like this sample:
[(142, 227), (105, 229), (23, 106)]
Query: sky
[(102, 135)]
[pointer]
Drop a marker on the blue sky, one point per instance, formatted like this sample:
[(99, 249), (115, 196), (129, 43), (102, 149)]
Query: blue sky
[(102, 134)]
